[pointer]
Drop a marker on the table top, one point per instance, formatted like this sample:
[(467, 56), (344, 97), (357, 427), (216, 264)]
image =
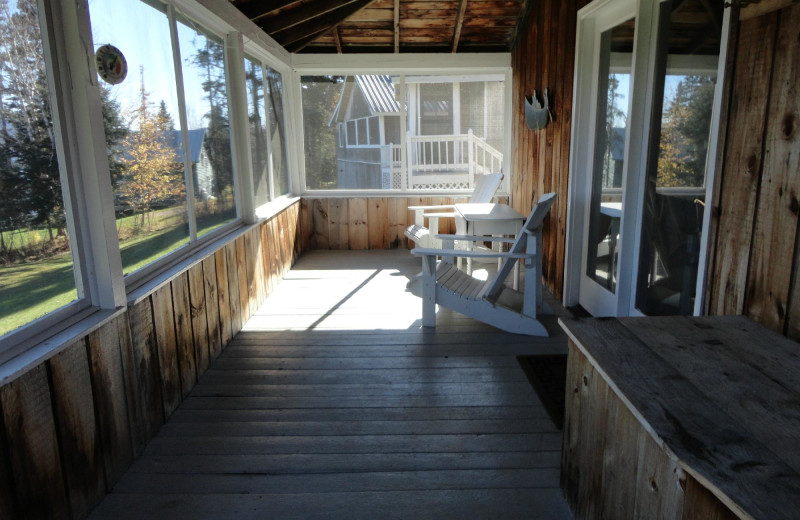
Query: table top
[(488, 211), (612, 209), (721, 395)]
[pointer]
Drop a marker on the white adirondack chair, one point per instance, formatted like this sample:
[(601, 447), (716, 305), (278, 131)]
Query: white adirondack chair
[(422, 236), (488, 301)]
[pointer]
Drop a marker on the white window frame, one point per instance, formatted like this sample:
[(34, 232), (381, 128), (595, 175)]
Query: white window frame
[(448, 67), (279, 63), (85, 182)]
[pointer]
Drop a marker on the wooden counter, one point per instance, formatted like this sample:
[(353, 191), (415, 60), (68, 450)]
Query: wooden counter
[(680, 417)]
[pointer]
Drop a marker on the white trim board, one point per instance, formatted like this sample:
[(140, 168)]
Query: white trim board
[(412, 63)]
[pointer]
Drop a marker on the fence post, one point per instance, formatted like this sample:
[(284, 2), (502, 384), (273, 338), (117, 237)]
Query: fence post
[(471, 158)]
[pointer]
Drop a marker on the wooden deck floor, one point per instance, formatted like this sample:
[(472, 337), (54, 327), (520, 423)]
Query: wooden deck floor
[(334, 403)]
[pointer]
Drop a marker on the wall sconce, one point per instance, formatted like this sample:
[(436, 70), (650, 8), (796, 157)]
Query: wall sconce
[(537, 114)]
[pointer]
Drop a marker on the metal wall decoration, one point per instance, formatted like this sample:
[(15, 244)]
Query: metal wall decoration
[(537, 114)]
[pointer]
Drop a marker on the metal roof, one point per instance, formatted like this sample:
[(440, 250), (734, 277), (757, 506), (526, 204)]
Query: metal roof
[(379, 93)]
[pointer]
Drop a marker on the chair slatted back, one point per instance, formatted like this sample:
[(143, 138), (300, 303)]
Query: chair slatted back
[(485, 187), (533, 223)]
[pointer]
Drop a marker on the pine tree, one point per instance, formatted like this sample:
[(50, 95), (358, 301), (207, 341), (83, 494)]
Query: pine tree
[(217, 142), (320, 96), (165, 116), (115, 131), (684, 133)]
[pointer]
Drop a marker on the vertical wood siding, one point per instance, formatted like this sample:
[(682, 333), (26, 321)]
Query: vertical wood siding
[(72, 425), (544, 58), (754, 265), (365, 223), (602, 438)]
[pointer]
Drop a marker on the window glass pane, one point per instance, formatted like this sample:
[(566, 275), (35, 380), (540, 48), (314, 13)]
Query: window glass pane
[(374, 130), (442, 152), (320, 96), (457, 132), (142, 132), (362, 131), (258, 129), (203, 65), (435, 104), (391, 129), (277, 132), (36, 266)]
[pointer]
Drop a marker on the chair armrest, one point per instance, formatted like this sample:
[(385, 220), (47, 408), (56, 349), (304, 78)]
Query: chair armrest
[(419, 251), (439, 215), (477, 238)]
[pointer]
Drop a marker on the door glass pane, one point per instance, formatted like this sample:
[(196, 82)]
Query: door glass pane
[(676, 174), (616, 48)]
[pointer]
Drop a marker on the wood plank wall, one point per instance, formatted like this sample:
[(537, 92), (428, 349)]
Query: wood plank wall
[(364, 223), (544, 58), (756, 248), (72, 425)]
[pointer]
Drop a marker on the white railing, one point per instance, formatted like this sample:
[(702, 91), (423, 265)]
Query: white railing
[(440, 162)]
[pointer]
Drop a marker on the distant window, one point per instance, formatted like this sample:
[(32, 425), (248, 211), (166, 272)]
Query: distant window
[(391, 129), (374, 130), (352, 133), (362, 131)]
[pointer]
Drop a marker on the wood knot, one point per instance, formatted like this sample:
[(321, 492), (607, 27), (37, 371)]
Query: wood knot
[(788, 126), (752, 163), (585, 381), (653, 484), (794, 206)]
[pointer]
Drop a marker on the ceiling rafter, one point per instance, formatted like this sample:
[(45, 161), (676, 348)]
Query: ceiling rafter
[(396, 26), (256, 9), (307, 12), (462, 8), (302, 43), (318, 24), (338, 39)]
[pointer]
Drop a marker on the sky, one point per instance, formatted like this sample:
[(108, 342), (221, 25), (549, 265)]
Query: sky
[(142, 34)]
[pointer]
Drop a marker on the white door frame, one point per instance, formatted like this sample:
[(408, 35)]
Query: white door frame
[(593, 19)]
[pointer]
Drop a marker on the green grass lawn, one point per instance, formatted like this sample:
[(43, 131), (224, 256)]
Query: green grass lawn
[(31, 290)]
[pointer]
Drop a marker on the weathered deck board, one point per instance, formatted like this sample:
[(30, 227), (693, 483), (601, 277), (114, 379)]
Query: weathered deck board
[(320, 414)]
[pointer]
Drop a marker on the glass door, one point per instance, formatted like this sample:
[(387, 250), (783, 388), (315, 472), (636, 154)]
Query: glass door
[(605, 213), (675, 184), (609, 39), (643, 136)]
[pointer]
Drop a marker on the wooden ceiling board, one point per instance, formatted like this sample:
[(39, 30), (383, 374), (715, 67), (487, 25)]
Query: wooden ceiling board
[(421, 26)]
